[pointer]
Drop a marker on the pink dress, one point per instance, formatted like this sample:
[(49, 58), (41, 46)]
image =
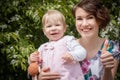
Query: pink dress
[(52, 52)]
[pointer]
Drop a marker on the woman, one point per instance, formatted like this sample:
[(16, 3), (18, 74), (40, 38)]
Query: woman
[(102, 55), (91, 16)]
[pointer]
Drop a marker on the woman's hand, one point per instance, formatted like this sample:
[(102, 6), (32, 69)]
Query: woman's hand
[(45, 74), (106, 57), (108, 63), (107, 60)]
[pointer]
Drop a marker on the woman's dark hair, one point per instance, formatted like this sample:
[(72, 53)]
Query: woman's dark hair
[(96, 8)]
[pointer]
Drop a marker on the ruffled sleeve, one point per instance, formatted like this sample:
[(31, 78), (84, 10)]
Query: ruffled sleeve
[(75, 49)]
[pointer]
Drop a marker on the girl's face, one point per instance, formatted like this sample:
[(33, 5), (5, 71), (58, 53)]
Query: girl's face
[(54, 30), (86, 24)]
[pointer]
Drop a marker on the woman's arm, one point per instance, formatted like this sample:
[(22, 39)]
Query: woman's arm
[(114, 70)]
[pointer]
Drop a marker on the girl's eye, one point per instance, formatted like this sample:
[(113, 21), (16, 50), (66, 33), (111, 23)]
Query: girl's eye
[(78, 18), (57, 24), (48, 26)]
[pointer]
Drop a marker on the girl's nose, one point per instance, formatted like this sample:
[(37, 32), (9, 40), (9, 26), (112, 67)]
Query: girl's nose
[(53, 28)]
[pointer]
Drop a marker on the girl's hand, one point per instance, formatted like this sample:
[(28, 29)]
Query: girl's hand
[(34, 57), (45, 74), (67, 58), (106, 57)]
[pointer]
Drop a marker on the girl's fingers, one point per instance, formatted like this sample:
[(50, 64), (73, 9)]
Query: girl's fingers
[(67, 58), (34, 56)]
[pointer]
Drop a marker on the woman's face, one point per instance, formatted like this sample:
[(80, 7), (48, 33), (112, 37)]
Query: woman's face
[(86, 24)]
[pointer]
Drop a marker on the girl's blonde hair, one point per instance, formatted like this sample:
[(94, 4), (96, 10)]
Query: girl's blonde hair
[(53, 16)]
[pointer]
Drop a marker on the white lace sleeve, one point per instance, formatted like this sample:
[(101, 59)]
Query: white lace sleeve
[(40, 49), (75, 49)]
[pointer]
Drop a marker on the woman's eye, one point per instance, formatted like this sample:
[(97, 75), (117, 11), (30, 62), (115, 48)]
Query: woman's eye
[(90, 17)]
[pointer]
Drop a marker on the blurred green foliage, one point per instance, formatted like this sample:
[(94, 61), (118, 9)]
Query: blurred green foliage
[(21, 31)]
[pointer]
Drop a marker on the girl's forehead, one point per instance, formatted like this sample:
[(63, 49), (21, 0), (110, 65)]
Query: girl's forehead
[(53, 20)]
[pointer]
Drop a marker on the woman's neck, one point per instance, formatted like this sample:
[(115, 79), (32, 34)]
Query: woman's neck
[(89, 41), (92, 45)]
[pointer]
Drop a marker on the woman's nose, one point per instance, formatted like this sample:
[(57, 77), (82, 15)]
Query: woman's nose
[(85, 23)]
